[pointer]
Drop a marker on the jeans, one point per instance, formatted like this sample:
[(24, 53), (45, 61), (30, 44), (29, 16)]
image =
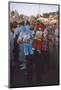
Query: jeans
[(28, 49), (21, 53)]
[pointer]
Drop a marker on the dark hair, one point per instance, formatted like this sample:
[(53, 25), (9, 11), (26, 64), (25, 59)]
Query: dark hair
[(14, 24), (11, 25), (27, 23), (21, 23)]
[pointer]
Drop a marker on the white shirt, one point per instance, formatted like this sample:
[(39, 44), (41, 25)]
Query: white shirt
[(38, 34)]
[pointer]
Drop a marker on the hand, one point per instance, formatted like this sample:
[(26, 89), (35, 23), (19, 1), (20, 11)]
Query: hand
[(19, 41), (26, 41)]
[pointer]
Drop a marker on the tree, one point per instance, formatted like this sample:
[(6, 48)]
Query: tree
[(46, 15), (12, 13)]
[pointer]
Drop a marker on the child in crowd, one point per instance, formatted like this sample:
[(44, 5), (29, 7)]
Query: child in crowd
[(38, 38)]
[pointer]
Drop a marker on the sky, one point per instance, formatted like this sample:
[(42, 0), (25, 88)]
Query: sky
[(32, 9)]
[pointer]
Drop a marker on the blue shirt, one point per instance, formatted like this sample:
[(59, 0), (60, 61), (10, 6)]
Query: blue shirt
[(25, 33)]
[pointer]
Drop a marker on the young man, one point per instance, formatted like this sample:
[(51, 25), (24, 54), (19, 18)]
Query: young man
[(25, 38), (21, 57)]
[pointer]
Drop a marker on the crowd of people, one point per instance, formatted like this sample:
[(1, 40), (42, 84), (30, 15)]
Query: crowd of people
[(31, 47)]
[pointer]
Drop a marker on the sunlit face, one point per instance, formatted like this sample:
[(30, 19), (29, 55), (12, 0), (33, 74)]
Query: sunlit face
[(40, 29)]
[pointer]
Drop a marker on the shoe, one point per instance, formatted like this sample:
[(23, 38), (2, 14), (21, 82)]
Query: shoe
[(22, 68), (39, 51)]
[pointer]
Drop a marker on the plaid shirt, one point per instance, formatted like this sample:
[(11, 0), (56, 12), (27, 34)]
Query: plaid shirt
[(44, 44)]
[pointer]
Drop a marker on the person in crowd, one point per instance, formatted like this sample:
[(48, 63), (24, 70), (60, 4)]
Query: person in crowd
[(32, 28), (56, 33), (19, 28), (45, 50), (25, 38), (38, 61), (26, 35), (11, 45), (11, 41), (38, 37), (11, 37), (21, 57), (16, 47), (52, 48)]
